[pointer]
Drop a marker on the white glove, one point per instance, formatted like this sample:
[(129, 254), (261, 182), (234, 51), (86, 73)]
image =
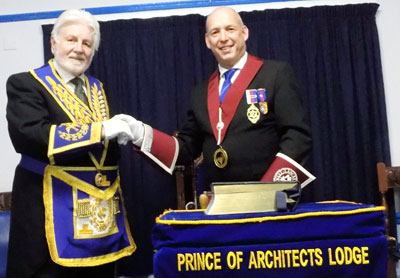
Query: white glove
[(136, 127), (116, 127)]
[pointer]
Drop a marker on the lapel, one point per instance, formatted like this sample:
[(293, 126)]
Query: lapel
[(232, 97), (76, 110)]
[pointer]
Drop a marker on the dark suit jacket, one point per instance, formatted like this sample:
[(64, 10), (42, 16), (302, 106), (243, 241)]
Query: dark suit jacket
[(31, 110), (251, 147)]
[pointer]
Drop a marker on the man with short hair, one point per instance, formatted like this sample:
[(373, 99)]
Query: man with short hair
[(246, 115), (67, 216)]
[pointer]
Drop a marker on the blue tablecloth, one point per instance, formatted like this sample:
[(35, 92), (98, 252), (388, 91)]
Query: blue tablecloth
[(332, 239)]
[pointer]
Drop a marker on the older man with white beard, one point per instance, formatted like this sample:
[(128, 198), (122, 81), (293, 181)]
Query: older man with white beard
[(67, 216)]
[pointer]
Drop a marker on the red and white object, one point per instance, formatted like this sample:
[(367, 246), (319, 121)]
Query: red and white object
[(283, 168)]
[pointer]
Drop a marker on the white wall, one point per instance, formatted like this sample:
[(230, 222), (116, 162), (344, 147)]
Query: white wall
[(387, 20), (21, 49)]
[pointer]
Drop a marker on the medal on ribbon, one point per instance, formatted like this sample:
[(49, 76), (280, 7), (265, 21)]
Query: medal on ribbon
[(98, 157), (262, 98), (220, 157), (220, 122), (263, 107), (253, 114)]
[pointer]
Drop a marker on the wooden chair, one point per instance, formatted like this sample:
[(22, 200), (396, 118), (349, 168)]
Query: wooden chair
[(389, 178), (187, 185), (5, 201)]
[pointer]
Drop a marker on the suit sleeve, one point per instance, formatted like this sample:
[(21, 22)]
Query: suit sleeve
[(161, 148), (166, 150), (293, 129), (34, 121)]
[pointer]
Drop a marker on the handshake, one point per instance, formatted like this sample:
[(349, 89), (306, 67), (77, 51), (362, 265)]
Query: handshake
[(125, 128)]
